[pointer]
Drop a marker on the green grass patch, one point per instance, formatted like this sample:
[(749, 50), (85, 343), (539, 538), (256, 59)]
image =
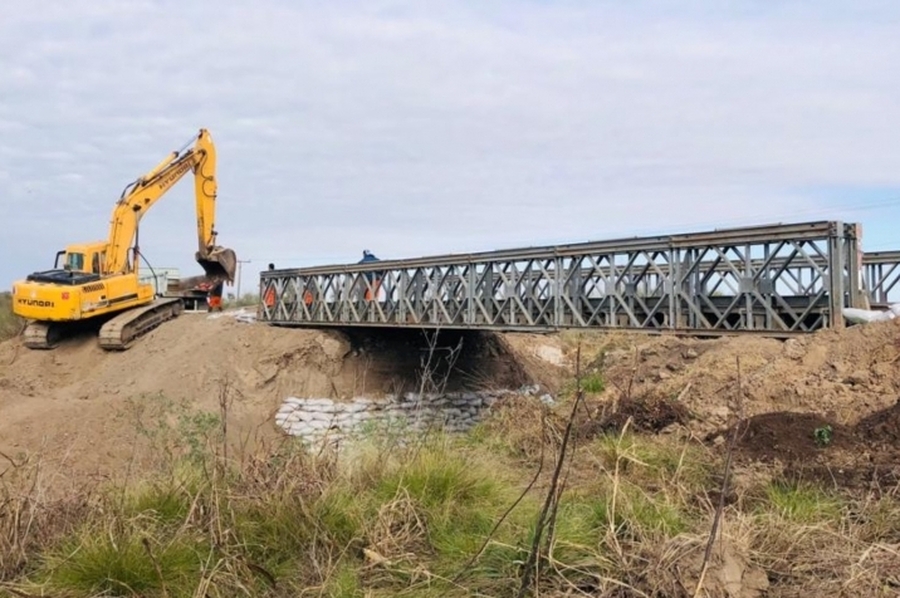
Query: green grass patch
[(275, 534), (655, 463), (801, 503), (592, 383), (167, 502), (128, 563)]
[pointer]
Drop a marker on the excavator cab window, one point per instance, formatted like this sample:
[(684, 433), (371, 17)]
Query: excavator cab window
[(75, 261), (95, 263)]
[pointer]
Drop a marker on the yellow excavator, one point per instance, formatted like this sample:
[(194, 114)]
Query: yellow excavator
[(98, 282)]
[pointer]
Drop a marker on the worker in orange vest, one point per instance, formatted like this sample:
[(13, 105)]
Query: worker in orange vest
[(270, 292), (215, 296)]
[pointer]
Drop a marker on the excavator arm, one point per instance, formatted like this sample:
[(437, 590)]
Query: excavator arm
[(139, 197)]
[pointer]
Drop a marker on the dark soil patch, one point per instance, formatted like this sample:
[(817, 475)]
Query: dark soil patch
[(882, 427), (646, 415), (787, 436), (880, 475), (865, 456)]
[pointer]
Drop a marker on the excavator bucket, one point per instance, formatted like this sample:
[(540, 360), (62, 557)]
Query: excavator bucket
[(220, 263)]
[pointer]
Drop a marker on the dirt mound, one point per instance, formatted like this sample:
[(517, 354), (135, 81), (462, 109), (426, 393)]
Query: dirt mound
[(839, 374), (865, 455), (841, 383), (651, 416), (73, 402)]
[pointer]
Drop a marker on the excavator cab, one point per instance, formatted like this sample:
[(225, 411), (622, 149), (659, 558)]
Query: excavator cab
[(72, 262), (88, 258), (80, 264)]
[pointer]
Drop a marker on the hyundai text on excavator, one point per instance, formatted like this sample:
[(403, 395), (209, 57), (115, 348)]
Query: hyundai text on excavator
[(99, 281)]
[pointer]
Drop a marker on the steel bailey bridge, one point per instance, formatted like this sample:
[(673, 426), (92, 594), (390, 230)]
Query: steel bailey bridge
[(777, 280)]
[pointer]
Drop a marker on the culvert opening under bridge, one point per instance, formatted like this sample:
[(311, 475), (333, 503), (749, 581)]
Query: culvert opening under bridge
[(409, 379), (412, 360)]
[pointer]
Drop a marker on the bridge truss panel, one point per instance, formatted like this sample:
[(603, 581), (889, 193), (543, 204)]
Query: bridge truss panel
[(774, 279), (882, 277)]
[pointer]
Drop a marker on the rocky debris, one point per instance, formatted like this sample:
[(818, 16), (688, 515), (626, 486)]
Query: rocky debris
[(730, 573), (550, 354)]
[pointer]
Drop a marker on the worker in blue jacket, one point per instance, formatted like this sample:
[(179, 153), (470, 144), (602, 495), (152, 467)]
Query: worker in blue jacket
[(373, 277)]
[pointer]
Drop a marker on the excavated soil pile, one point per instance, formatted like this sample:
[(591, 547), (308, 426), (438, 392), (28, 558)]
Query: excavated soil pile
[(882, 427), (650, 415), (789, 437), (839, 375), (76, 404), (823, 406), (73, 402)]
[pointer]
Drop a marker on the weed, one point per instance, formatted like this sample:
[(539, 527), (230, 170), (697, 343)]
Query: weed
[(823, 435), (592, 383), (655, 463), (169, 502), (174, 429), (441, 516)]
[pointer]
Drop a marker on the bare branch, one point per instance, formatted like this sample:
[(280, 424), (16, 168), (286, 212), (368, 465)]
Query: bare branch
[(547, 516), (720, 507)]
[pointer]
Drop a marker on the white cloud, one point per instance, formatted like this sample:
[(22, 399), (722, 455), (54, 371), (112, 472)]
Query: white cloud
[(422, 128)]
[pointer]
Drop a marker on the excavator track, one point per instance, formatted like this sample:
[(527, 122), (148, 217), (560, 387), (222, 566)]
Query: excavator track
[(41, 335), (118, 333)]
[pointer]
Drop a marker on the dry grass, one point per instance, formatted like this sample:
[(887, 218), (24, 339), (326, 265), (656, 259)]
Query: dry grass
[(446, 516), (31, 516)]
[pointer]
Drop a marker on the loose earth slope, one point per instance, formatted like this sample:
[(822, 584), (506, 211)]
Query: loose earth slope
[(77, 404)]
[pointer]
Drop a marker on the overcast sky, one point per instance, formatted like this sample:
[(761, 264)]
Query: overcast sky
[(413, 128)]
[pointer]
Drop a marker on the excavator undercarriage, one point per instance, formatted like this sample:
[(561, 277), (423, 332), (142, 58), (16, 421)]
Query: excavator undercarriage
[(124, 327), (116, 334)]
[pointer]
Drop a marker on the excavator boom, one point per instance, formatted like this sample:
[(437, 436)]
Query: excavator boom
[(218, 262)]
